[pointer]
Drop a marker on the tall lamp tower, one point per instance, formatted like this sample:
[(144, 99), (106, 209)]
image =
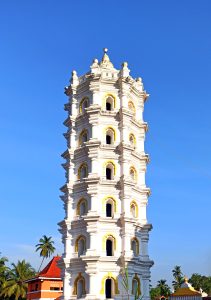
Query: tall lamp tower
[(105, 229)]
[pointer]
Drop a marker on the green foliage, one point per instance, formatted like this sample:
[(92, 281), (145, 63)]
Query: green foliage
[(201, 282), (14, 287), (45, 247), (161, 289), (154, 293), (178, 277)]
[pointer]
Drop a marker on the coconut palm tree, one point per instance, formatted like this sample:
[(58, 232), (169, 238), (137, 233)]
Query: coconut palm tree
[(178, 277), (4, 270), (15, 286), (45, 247), (164, 288)]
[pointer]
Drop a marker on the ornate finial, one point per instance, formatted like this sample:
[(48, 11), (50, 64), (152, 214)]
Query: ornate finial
[(105, 62), (94, 66), (74, 78), (125, 71)]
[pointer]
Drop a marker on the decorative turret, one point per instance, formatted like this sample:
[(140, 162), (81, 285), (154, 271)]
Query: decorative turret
[(105, 228)]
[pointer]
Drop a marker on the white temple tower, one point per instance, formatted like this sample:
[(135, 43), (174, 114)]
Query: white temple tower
[(105, 228)]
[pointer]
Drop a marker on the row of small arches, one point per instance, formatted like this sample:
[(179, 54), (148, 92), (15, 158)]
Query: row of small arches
[(109, 171), (109, 104), (110, 137), (109, 286), (109, 245), (109, 206)]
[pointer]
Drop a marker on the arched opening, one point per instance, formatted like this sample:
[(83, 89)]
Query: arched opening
[(109, 170), (82, 171), (108, 106), (135, 287), (83, 105), (108, 139), (109, 103), (132, 140), (109, 210), (134, 209), (81, 246), (110, 136), (135, 246), (133, 174), (80, 288), (83, 137), (81, 209), (109, 247), (108, 288), (131, 107), (108, 173)]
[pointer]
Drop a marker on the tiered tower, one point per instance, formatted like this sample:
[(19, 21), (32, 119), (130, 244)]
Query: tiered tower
[(105, 229)]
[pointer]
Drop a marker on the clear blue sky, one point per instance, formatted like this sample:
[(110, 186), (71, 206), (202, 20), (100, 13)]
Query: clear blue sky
[(168, 44)]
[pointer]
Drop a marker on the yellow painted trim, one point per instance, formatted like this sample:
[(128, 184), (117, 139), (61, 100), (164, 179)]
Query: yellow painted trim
[(109, 275), (135, 172), (132, 104), (136, 207), (75, 289), (84, 131), (106, 96), (108, 235), (139, 284), (109, 162), (104, 200), (81, 103), (134, 138), (79, 169), (77, 240), (80, 201), (137, 244), (112, 129)]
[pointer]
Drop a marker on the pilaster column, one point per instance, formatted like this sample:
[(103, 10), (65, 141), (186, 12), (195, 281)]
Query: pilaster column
[(67, 285), (144, 244), (145, 287)]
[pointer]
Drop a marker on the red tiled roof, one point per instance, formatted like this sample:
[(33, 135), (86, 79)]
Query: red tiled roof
[(51, 270)]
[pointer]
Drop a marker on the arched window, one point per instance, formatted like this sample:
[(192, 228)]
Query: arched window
[(132, 140), (135, 246), (79, 286), (109, 210), (108, 173), (82, 171), (110, 247), (109, 288), (133, 174), (83, 137), (80, 245), (134, 209), (80, 289), (109, 206), (136, 286), (131, 107), (110, 136), (81, 209), (110, 103), (83, 104), (109, 170)]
